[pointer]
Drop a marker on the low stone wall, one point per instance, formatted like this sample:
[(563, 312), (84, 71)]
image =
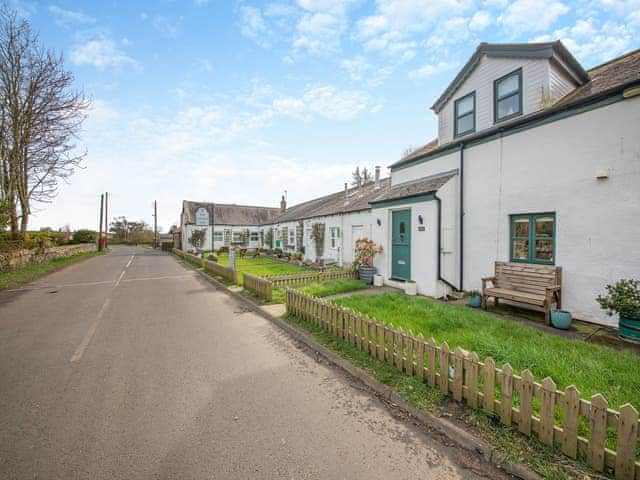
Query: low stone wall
[(21, 258)]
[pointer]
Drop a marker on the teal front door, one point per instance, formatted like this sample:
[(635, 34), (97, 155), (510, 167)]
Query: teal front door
[(401, 245)]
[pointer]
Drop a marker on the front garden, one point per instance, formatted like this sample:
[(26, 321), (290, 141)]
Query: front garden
[(591, 368), (260, 266)]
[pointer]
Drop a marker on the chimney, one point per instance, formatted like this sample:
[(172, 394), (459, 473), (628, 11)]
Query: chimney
[(346, 193), (377, 184), (283, 205)]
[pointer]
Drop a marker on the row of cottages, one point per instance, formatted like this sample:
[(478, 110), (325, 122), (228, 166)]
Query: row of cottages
[(223, 225), (537, 161)]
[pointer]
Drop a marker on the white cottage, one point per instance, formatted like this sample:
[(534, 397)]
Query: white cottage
[(223, 225), (536, 161)]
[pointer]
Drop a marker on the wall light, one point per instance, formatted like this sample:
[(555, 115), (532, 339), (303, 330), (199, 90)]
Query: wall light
[(379, 222), (420, 219)]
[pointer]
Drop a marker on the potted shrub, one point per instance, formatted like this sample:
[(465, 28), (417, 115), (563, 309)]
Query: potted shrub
[(561, 319), (623, 298), (411, 288), (474, 299), (366, 250)]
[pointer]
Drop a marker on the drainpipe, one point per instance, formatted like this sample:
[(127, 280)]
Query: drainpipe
[(461, 215), (439, 203)]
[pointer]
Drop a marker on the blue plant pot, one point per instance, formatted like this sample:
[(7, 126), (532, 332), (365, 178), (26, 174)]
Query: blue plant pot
[(474, 301), (561, 319)]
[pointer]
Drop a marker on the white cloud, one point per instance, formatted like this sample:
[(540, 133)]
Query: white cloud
[(325, 101), (170, 28), (593, 42), (99, 50), (360, 70), (395, 22), (253, 25), (65, 17), (319, 32), (430, 70), (532, 15), (480, 20)]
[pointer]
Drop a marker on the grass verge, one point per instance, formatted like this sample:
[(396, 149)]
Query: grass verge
[(31, 272), (334, 287), (514, 447)]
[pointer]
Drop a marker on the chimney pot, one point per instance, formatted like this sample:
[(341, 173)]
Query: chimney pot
[(377, 184), (346, 193), (283, 204)]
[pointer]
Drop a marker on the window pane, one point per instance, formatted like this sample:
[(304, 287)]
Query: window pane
[(465, 124), (521, 249), (509, 106), (544, 227), (465, 105), (521, 227), (508, 85), (544, 250)]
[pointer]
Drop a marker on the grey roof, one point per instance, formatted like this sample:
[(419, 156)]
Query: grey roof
[(334, 203), (607, 79), (621, 71), (418, 187), (555, 50), (230, 214)]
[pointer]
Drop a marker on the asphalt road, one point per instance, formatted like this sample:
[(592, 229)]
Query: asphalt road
[(131, 365)]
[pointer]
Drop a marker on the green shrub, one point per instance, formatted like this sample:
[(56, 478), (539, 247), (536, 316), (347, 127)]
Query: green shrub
[(85, 236)]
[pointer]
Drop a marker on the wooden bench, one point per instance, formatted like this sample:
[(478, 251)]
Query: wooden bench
[(536, 285)]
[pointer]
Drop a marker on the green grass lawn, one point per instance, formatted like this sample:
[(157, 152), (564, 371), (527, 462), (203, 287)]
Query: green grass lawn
[(333, 287), (591, 368), (260, 266), (31, 272)]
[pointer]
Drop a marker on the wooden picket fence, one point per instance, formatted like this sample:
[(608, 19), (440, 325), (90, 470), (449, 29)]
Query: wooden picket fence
[(264, 286), (302, 279), (499, 391), (225, 272)]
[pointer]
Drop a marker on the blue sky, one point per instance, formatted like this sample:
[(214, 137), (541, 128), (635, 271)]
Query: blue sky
[(237, 101)]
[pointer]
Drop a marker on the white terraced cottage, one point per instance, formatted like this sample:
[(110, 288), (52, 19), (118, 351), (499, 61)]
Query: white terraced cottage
[(536, 161)]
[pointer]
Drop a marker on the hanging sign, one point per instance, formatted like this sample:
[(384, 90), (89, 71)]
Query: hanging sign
[(202, 216)]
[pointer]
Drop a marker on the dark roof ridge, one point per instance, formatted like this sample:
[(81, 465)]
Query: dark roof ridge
[(613, 60)]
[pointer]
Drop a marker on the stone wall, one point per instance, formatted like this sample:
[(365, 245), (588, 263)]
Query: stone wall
[(21, 258)]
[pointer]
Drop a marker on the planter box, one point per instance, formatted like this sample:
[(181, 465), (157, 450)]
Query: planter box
[(474, 301), (411, 288), (561, 319), (366, 274)]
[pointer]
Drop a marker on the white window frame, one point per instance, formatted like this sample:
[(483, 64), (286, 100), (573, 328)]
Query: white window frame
[(291, 238), (334, 235), (236, 237), (254, 236), (218, 236)]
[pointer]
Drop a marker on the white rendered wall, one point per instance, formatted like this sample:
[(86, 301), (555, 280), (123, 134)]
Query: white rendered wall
[(552, 168)]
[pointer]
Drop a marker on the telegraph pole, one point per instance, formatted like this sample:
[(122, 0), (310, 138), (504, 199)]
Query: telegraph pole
[(100, 233), (106, 219), (155, 224)]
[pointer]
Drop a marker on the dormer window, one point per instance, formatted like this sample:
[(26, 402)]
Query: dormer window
[(507, 93), (465, 114)]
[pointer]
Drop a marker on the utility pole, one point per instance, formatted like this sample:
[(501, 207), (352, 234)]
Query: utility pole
[(106, 219), (155, 224), (100, 233)]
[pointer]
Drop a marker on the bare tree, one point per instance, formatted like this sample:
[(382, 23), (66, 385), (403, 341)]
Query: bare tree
[(40, 118)]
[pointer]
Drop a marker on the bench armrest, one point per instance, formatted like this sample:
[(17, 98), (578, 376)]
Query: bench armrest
[(553, 288), (485, 280)]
